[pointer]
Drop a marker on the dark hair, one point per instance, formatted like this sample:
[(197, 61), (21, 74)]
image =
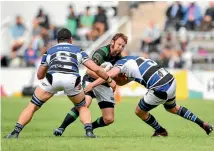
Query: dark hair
[(88, 7), (120, 35), (63, 35), (70, 6)]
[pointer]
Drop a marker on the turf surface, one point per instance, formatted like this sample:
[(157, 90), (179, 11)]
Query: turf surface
[(128, 133)]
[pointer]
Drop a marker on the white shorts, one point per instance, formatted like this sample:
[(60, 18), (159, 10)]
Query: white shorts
[(62, 82), (151, 99), (102, 93)]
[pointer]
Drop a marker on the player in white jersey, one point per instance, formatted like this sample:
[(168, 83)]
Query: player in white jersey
[(59, 71), (161, 87)]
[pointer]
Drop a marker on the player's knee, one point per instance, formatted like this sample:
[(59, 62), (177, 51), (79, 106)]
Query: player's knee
[(174, 110), (37, 103), (140, 113), (137, 111), (80, 104), (108, 120)]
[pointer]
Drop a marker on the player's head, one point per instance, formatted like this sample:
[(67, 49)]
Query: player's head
[(64, 35), (118, 43)]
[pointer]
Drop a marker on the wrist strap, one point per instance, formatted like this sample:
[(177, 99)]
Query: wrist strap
[(109, 80)]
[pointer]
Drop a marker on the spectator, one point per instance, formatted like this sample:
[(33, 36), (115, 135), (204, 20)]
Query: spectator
[(151, 38), (18, 28), (52, 32), (30, 56), (100, 21), (36, 28), (43, 19), (192, 16), (206, 24), (72, 22), (170, 42), (86, 23), (175, 60), (174, 16), (87, 19), (17, 31), (210, 11)]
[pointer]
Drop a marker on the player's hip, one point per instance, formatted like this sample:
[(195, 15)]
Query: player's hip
[(162, 94)]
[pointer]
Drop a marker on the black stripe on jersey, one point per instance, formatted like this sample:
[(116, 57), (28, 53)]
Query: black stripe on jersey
[(53, 56), (147, 75), (60, 63), (62, 70), (166, 79), (139, 61)]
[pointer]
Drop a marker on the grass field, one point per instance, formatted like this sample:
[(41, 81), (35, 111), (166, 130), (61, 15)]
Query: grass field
[(128, 133)]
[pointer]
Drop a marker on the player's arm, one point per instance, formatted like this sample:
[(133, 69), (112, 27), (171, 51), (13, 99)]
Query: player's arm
[(97, 69), (98, 58), (43, 68), (92, 74), (112, 73), (86, 61)]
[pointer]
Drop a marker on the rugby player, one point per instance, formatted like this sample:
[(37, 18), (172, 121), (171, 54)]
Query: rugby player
[(103, 93), (161, 87), (59, 71)]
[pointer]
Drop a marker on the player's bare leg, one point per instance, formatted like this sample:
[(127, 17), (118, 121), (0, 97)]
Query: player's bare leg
[(106, 119), (84, 113), (172, 107), (71, 116), (39, 97), (142, 112)]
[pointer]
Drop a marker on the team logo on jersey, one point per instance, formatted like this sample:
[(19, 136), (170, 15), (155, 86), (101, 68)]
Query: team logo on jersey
[(97, 58), (160, 74)]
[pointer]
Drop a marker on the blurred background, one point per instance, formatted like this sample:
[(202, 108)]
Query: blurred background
[(178, 35)]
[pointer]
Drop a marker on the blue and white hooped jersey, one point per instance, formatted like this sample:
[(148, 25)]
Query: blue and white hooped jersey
[(64, 58), (144, 71)]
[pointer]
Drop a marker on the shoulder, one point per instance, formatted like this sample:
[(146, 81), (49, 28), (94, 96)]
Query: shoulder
[(105, 49)]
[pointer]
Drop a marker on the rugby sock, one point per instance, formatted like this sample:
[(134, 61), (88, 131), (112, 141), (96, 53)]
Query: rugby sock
[(70, 118), (18, 128), (98, 123), (153, 123), (185, 113), (88, 126)]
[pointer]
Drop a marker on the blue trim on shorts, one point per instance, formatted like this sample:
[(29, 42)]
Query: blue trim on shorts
[(145, 106)]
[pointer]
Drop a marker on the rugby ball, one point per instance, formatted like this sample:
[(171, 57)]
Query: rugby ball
[(106, 66)]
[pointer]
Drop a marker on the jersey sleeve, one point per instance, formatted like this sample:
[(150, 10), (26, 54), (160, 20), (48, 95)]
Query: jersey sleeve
[(44, 60), (85, 56), (98, 57), (120, 64)]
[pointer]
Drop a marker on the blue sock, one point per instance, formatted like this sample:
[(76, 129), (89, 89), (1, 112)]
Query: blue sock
[(185, 113)]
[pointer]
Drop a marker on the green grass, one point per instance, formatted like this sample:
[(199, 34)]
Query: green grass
[(128, 133)]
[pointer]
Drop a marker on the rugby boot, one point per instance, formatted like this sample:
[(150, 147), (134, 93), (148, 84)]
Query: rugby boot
[(11, 136), (58, 131), (208, 128), (90, 134), (164, 133)]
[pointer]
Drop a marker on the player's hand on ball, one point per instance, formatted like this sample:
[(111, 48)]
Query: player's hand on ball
[(88, 88)]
